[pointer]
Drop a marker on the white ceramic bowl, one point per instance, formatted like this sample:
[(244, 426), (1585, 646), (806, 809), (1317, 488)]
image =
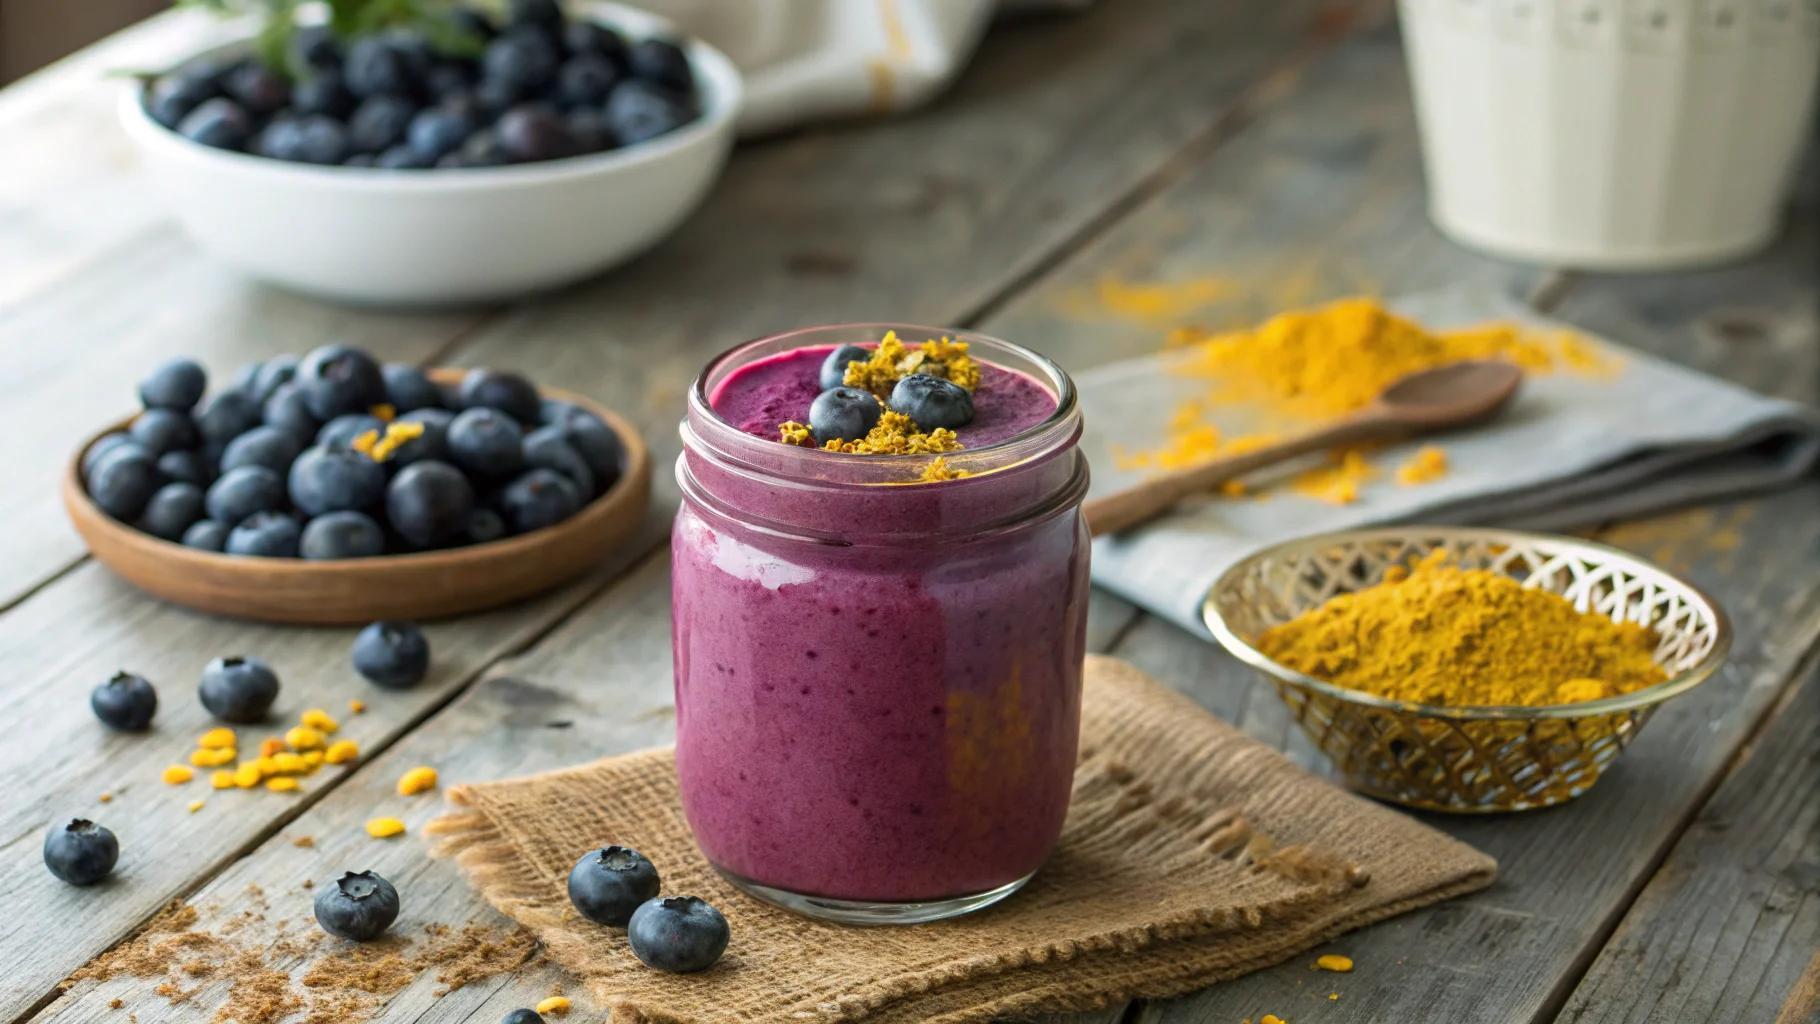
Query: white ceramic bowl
[(444, 237)]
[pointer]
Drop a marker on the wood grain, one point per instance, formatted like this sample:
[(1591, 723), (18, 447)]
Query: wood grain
[(1725, 929)]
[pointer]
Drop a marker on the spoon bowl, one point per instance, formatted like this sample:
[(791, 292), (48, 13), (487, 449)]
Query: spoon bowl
[(1455, 394)]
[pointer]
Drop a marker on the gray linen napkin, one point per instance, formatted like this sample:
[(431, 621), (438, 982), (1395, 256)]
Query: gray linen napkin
[(1573, 450)]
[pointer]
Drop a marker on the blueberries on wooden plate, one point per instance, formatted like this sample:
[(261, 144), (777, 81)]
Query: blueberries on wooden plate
[(537, 87), (81, 853), (360, 906)]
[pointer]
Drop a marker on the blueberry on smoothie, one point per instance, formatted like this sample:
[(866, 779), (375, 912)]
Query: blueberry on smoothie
[(834, 368), (81, 853), (843, 414), (608, 884), (681, 935), (932, 402)]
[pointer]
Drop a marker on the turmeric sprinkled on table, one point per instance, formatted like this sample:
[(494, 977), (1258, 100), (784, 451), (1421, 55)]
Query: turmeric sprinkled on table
[(385, 828), (177, 775), (1439, 634), (417, 780), (1334, 962), (1428, 464), (554, 1004)]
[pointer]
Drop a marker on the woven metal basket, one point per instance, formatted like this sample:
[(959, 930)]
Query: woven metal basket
[(1468, 759)]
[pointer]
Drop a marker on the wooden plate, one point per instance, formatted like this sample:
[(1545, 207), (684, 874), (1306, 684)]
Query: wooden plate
[(423, 585)]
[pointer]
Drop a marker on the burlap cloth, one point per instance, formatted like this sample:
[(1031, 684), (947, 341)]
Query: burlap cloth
[(1192, 854)]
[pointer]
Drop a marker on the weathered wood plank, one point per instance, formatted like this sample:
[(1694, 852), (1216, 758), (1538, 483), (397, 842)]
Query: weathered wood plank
[(1725, 928)]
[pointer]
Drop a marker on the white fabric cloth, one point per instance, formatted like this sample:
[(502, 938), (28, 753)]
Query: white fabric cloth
[(812, 60)]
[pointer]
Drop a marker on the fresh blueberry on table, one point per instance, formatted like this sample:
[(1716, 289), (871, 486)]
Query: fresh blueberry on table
[(640, 110), (124, 480), (548, 448), (932, 402), (360, 906), (265, 535), (287, 410), (125, 702), (337, 379), (81, 853), (834, 368), (341, 431), (487, 442), (342, 535), (165, 430), (191, 467), (272, 447), (539, 499), (428, 503), (243, 491), (522, 1016), (394, 655), (219, 122), (504, 390), (681, 934), (332, 480), (225, 417), (207, 535), (607, 885), (172, 510), (843, 414), (239, 690), (178, 385), (408, 389)]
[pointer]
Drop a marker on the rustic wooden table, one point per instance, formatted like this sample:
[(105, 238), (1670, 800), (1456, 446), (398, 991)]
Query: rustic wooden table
[(1267, 149)]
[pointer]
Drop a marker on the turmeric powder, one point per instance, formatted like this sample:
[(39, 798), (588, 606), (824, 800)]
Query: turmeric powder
[(1442, 635)]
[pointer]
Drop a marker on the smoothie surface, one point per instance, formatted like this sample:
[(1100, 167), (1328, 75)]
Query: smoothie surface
[(758, 397)]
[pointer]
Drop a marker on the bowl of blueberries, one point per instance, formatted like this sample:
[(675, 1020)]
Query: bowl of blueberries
[(463, 160), (332, 489)]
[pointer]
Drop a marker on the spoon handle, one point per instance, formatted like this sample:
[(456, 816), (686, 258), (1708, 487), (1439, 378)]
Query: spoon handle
[(1121, 510)]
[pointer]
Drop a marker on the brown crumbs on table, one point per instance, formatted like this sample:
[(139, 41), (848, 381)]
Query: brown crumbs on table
[(115, 1004), (304, 842)]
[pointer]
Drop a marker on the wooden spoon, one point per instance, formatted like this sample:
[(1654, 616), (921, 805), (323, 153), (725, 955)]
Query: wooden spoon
[(1447, 396)]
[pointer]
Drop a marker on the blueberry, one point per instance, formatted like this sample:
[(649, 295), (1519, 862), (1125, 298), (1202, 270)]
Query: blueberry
[(374, 67), (258, 88), (337, 379), (187, 467), (241, 492), (265, 535), (483, 149), (510, 393), (473, 23), (379, 123), (587, 131), (269, 376), (123, 481), (173, 509), (323, 93), (81, 853), (413, 48), (595, 442), (450, 79), (342, 535), (428, 503), (408, 389), (522, 60), (341, 431), (834, 368), (207, 535), (681, 934), (315, 47), (585, 80), (539, 14), (580, 37), (311, 139), (126, 702), (484, 525), (225, 417), (437, 131), (662, 62), (487, 442), (333, 480), (607, 885), (165, 430), (844, 414), (178, 385), (540, 498), (932, 402), (433, 443), (639, 110), (239, 690), (495, 97), (402, 158), (289, 411), (361, 160), (360, 906), (219, 122), (172, 97), (522, 1016), (548, 448), (394, 655), (104, 444), (533, 132), (272, 447)]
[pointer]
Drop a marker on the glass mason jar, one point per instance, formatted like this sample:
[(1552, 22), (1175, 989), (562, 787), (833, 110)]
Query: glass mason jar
[(878, 679)]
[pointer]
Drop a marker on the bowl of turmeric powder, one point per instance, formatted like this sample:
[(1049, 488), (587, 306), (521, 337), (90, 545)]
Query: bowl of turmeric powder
[(1467, 670)]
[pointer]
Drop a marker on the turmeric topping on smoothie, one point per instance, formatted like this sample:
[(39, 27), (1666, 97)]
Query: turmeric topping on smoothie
[(892, 361)]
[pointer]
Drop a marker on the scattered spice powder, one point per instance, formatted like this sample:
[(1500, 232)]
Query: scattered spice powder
[(1465, 637), (892, 361), (1427, 465), (1338, 482), (106, 798)]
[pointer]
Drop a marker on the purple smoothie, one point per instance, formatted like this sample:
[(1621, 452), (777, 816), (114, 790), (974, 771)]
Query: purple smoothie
[(877, 686)]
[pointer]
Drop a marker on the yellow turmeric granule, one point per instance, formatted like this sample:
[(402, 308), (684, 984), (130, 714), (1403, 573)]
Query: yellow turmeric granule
[(385, 828), (379, 447), (303, 737), (1465, 637), (892, 361), (204, 757), (895, 434), (271, 746), (1426, 465), (1271, 1018), (288, 763), (177, 775), (358, 707), (319, 720), (384, 412), (939, 470), (417, 780), (283, 784), (554, 1004), (1334, 962), (106, 798), (195, 805), (312, 759), (341, 752), (221, 779), (217, 739), (247, 774)]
